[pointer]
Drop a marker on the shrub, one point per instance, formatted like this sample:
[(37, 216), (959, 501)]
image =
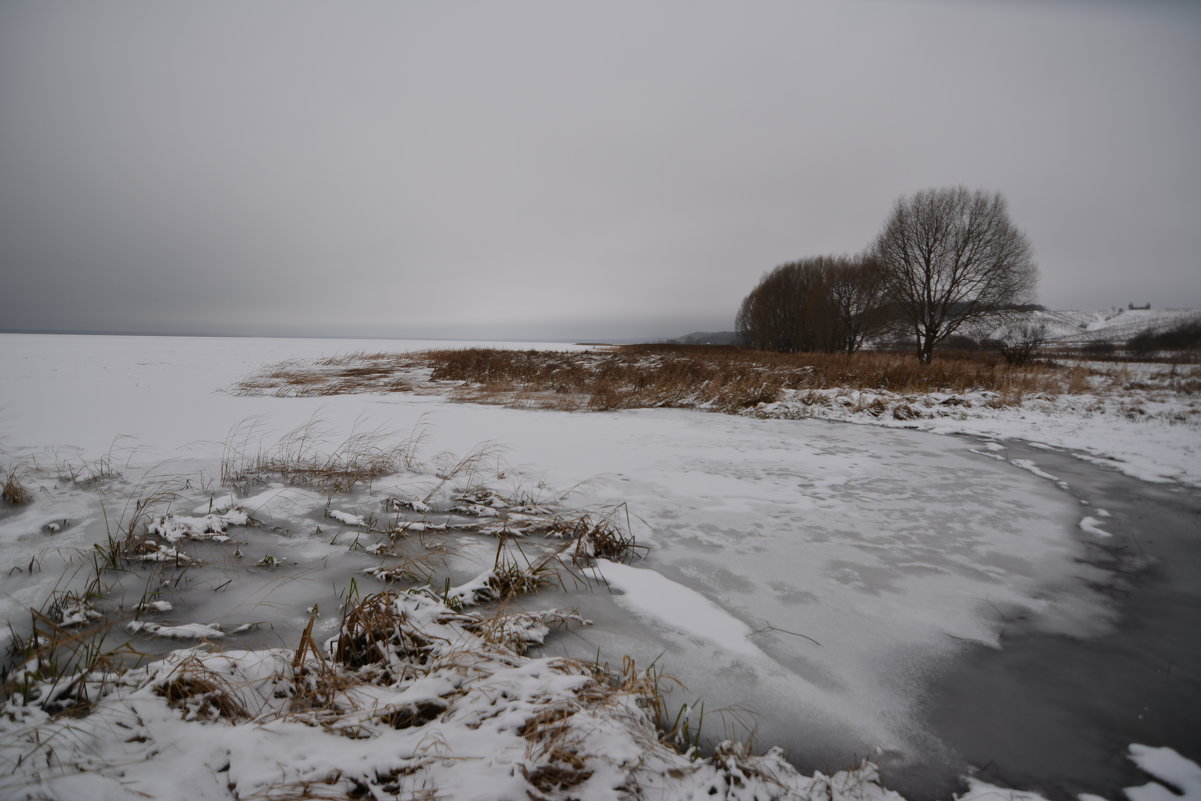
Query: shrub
[(1100, 349), (1185, 336)]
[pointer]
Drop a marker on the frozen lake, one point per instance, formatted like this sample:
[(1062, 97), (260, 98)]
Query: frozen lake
[(805, 580)]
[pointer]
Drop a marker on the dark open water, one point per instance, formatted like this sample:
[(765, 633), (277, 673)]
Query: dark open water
[(1057, 714)]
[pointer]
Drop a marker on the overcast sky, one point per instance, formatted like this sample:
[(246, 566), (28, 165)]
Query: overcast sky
[(568, 169)]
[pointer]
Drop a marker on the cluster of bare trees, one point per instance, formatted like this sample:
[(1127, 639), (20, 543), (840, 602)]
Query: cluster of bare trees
[(945, 258), (825, 303)]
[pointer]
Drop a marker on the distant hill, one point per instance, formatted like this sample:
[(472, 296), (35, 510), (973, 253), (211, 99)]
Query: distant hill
[(1114, 326), (707, 338), (1067, 328)]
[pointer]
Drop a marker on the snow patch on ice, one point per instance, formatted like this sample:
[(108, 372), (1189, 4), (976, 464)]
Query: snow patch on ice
[(163, 553), (1030, 466), (186, 631), (347, 518), (290, 504), (156, 606), (174, 528), (1170, 767), (653, 596), (220, 504), (983, 791), (1164, 764), (1092, 525)]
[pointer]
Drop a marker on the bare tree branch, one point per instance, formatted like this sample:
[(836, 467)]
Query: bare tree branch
[(948, 256)]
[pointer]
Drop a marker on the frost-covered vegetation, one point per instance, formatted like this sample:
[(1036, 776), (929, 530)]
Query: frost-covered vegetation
[(410, 699), (410, 686)]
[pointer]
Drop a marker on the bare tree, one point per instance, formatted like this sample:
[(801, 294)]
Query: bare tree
[(782, 312), (949, 256), (856, 293)]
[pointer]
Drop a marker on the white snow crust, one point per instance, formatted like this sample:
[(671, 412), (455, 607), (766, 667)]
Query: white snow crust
[(653, 596), (1169, 767), (1093, 526), (1156, 438), (348, 518)]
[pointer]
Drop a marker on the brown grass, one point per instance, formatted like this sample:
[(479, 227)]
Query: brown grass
[(62, 669), (316, 683), (591, 538), (200, 693), (306, 457), (510, 578), (725, 379), (374, 629), (14, 492), (339, 375), (720, 378)]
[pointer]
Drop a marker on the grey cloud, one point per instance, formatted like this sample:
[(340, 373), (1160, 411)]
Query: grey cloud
[(566, 170)]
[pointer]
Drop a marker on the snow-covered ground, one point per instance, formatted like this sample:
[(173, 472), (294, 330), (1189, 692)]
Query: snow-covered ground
[(803, 576), (1119, 325), (1151, 433), (1114, 326)]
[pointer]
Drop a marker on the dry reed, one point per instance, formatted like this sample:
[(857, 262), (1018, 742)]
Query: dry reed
[(719, 378), (13, 491), (200, 693)]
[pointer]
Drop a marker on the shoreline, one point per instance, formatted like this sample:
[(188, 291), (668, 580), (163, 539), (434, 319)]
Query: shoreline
[(1054, 713)]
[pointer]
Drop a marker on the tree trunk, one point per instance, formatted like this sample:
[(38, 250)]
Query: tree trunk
[(925, 349)]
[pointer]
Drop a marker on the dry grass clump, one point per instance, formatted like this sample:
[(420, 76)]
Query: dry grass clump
[(200, 693), (62, 666), (509, 578), (304, 457), (14, 492), (555, 762), (338, 375), (89, 474), (404, 572), (557, 758), (408, 716), (520, 631), (600, 538), (606, 541), (317, 683), (375, 630), (607, 538)]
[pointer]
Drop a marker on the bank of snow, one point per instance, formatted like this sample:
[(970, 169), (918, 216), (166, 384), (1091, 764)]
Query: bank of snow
[(1147, 435), (419, 702)]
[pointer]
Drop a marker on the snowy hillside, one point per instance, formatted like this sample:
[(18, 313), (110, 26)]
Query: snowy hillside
[(1114, 325)]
